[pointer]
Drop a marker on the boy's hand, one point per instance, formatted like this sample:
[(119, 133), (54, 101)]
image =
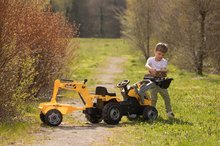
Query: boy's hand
[(164, 70), (152, 71)]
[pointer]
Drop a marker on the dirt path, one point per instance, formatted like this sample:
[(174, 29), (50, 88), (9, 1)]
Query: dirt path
[(83, 133)]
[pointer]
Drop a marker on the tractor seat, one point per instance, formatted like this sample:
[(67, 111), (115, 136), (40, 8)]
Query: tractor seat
[(103, 91)]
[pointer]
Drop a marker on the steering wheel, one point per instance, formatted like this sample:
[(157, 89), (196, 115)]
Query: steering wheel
[(123, 83)]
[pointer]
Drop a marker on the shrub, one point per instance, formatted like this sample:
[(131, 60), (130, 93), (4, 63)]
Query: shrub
[(33, 52)]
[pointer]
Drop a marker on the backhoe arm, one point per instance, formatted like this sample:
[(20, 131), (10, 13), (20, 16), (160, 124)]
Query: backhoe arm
[(75, 86)]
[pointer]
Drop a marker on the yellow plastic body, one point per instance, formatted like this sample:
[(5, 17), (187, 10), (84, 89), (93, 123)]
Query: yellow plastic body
[(132, 93), (74, 86)]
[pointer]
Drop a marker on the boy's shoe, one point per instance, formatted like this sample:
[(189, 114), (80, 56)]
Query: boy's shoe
[(170, 115)]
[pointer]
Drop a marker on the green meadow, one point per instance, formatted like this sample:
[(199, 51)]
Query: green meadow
[(195, 101)]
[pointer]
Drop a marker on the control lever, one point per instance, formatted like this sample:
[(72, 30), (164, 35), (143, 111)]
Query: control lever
[(85, 80)]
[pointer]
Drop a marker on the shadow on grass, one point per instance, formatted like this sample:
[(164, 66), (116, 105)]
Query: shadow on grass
[(83, 127), (122, 124), (159, 120), (173, 121)]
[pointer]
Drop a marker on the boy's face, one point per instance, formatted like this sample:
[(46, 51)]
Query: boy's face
[(159, 55)]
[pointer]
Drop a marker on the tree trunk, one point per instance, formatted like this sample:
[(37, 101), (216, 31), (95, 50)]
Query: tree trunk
[(146, 55), (1, 26), (101, 22), (148, 32), (200, 52)]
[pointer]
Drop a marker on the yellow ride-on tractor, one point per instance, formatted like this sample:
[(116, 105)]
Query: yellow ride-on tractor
[(100, 105)]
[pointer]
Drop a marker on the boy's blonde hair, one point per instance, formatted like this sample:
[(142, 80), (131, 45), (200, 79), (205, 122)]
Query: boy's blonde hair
[(161, 47)]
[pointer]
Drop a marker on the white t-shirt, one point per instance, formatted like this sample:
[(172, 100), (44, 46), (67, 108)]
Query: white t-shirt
[(158, 65)]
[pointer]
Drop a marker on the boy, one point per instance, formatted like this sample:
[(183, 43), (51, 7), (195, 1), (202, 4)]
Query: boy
[(158, 63)]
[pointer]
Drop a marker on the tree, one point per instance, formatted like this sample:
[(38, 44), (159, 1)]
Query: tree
[(203, 7), (188, 31), (33, 52), (213, 36), (137, 24), (95, 18)]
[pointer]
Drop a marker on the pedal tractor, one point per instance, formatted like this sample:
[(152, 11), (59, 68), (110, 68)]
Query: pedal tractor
[(100, 105)]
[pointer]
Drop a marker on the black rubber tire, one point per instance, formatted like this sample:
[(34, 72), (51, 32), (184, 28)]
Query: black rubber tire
[(53, 117), (93, 119), (150, 113), (131, 118), (112, 113), (42, 117)]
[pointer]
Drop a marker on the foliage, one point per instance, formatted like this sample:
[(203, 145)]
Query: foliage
[(192, 34), (137, 24), (95, 18), (33, 52), (189, 27)]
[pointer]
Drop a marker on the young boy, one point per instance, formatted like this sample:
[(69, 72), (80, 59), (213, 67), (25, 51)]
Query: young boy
[(158, 63)]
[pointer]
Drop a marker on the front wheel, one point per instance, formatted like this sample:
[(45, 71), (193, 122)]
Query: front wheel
[(93, 119), (53, 117), (150, 113), (112, 113)]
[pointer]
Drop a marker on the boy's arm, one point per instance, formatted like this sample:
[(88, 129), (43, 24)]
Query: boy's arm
[(151, 70)]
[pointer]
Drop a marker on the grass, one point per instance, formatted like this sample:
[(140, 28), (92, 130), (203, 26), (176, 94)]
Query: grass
[(92, 53), (195, 102), (194, 99), (20, 131)]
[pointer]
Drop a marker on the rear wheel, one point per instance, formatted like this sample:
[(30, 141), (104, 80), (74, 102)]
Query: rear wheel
[(42, 117), (93, 119), (112, 113), (53, 117), (150, 113)]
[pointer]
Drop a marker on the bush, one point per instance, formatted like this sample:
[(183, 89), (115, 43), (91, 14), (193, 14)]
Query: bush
[(33, 52)]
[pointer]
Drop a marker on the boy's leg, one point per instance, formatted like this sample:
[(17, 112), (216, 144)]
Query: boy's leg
[(154, 92), (142, 93), (164, 93), (144, 87)]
